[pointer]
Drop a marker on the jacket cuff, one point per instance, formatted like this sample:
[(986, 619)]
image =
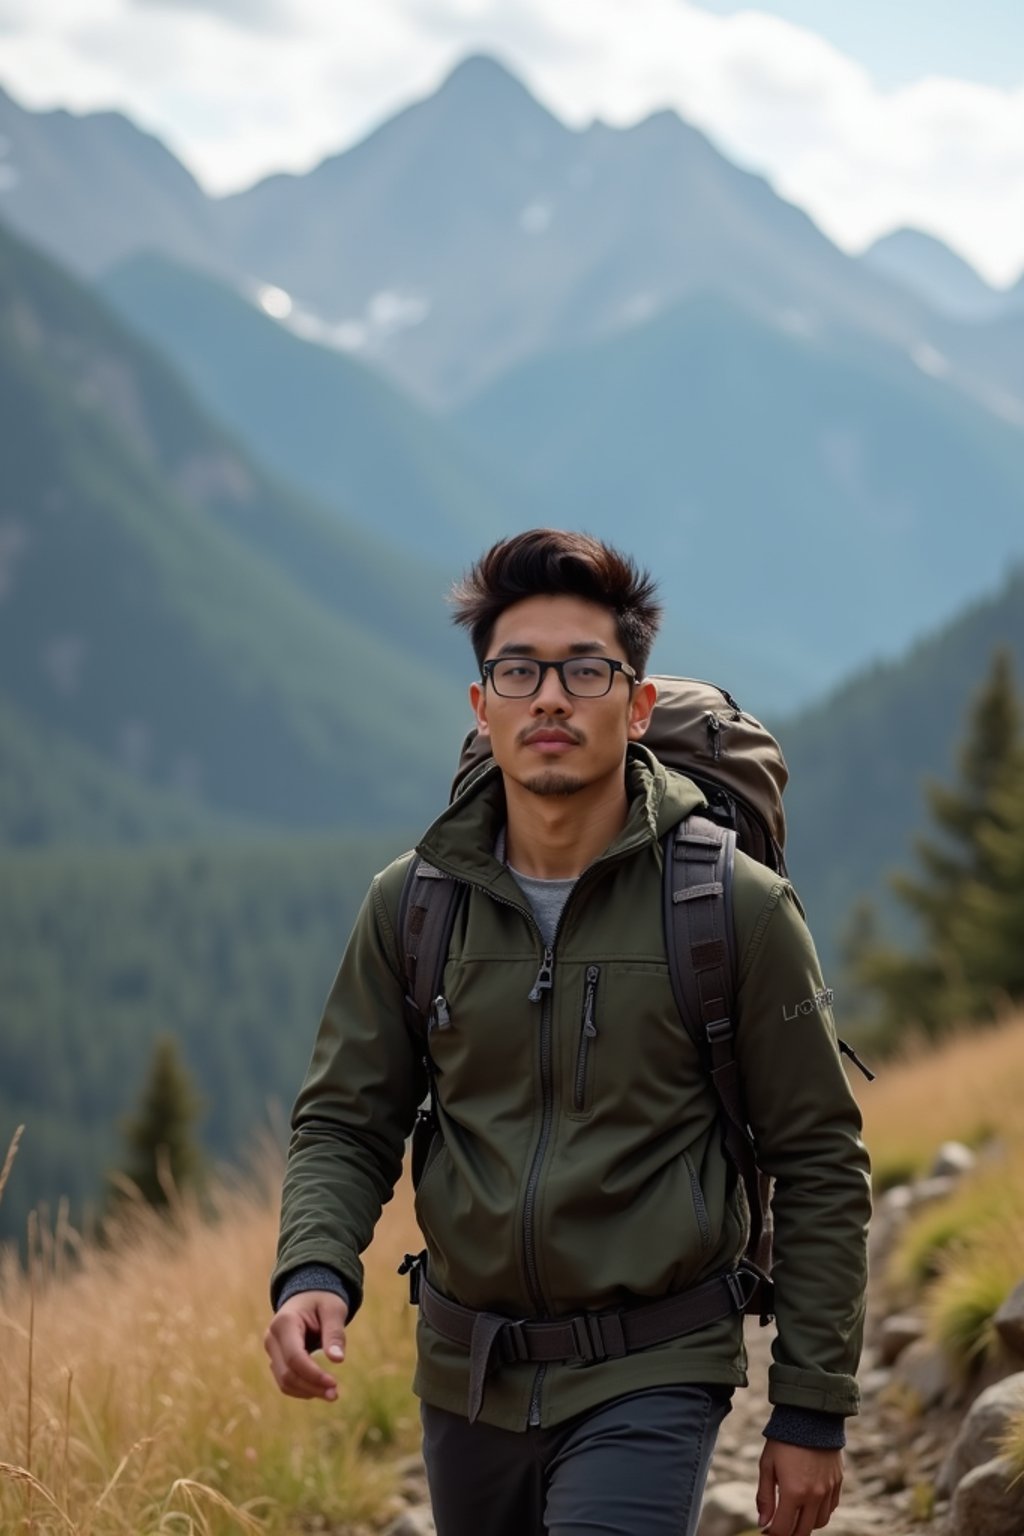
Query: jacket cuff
[(791, 1386), (810, 1427), (312, 1277)]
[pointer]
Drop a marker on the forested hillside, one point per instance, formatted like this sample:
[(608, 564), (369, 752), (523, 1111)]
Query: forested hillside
[(859, 760), (232, 949), (179, 615)]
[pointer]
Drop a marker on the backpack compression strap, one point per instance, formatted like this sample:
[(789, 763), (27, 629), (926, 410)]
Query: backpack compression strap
[(426, 917), (698, 868)]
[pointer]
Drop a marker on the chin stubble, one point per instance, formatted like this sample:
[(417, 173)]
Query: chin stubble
[(551, 783)]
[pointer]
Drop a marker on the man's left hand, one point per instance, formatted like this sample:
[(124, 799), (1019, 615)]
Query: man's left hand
[(797, 1488)]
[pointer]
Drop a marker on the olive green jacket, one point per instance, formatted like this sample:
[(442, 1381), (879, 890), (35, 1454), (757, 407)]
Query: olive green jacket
[(581, 1170)]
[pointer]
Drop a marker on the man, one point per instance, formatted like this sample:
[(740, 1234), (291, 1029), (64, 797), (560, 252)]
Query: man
[(579, 1169)]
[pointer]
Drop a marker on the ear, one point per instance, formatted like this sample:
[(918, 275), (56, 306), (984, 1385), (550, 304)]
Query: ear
[(478, 704), (645, 695)]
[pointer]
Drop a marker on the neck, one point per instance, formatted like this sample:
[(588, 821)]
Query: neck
[(555, 837)]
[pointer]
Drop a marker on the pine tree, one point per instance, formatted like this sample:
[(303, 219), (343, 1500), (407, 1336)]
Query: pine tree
[(942, 982), (163, 1155), (991, 928)]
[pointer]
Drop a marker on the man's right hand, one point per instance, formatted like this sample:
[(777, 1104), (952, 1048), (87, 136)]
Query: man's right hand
[(308, 1321)]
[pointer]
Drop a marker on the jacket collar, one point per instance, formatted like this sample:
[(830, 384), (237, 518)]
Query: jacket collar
[(461, 841)]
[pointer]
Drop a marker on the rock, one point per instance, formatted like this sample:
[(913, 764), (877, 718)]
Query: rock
[(982, 1430), (924, 1371), (1009, 1321), (952, 1160), (728, 1510), (872, 1383), (414, 1522), (931, 1191), (988, 1501), (896, 1202), (897, 1333)]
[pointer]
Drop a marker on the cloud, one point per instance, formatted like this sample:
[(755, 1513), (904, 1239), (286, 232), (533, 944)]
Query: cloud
[(260, 15), (308, 77)]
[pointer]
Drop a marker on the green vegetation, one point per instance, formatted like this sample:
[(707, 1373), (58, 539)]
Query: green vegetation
[(230, 949), (966, 898), (173, 612), (316, 415), (163, 1159)]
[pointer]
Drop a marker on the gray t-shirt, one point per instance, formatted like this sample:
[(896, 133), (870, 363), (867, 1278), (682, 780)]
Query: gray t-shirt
[(546, 897)]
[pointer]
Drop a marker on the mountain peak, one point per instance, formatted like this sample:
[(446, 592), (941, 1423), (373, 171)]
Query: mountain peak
[(480, 83)]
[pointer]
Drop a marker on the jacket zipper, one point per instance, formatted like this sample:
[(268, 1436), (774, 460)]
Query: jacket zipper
[(588, 1032), (540, 992), (697, 1195)]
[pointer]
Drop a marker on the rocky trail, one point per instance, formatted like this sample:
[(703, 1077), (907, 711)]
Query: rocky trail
[(922, 1457)]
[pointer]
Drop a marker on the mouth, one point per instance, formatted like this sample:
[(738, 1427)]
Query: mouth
[(550, 743)]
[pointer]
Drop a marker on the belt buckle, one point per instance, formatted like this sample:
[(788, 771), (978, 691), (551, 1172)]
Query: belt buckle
[(739, 1292), (514, 1347), (588, 1338)]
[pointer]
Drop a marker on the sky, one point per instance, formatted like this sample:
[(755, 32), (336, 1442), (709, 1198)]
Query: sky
[(870, 115)]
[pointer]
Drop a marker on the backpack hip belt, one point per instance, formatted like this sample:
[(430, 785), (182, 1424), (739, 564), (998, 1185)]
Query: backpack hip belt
[(585, 1338)]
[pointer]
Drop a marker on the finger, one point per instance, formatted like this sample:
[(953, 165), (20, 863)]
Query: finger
[(289, 1335), (837, 1493), (332, 1332), (784, 1521), (765, 1488), (295, 1386)]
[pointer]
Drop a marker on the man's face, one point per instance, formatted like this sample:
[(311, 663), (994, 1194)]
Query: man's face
[(553, 743)]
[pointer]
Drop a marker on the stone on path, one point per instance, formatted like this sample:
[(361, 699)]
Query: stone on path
[(729, 1509), (896, 1335), (982, 1430), (1009, 1321), (923, 1370), (952, 1160), (417, 1521), (988, 1501)]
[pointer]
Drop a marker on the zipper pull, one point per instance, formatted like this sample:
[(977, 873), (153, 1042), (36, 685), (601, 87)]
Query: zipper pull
[(545, 977), (714, 726), (848, 1050), (589, 1026), (440, 1017)]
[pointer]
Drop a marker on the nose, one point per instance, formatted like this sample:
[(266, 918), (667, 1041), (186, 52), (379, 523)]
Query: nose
[(551, 698)]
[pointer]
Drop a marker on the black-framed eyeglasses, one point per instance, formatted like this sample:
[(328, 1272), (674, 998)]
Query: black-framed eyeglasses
[(584, 677)]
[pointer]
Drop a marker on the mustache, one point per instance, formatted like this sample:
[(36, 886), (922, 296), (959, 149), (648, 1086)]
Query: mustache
[(528, 733)]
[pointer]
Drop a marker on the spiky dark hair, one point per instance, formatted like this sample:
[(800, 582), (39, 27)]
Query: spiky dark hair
[(552, 562)]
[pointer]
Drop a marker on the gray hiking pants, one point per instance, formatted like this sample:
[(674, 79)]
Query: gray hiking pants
[(635, 1466)]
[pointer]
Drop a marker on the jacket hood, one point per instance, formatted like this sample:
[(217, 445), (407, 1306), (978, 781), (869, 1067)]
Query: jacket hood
[(462, 839)]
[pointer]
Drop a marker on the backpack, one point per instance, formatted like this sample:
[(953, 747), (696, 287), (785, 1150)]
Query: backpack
[(734, 760)]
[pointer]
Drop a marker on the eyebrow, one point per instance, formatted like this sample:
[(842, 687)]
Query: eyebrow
[(578, 648)]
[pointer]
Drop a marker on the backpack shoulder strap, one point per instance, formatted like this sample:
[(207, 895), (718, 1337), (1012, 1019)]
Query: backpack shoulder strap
[(698, 869), (427, 911), (700, 944), (426, 917)]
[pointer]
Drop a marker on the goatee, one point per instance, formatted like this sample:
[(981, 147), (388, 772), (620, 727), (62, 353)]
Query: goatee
[(552, 783)]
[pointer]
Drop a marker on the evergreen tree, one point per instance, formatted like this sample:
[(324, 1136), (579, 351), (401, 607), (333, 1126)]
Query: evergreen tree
[(944, 981), (163, 1155), (992, 917)]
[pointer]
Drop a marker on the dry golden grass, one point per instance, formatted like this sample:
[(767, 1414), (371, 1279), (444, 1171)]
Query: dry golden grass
[(136, 1396), (971, 1089), (967, 1253)]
